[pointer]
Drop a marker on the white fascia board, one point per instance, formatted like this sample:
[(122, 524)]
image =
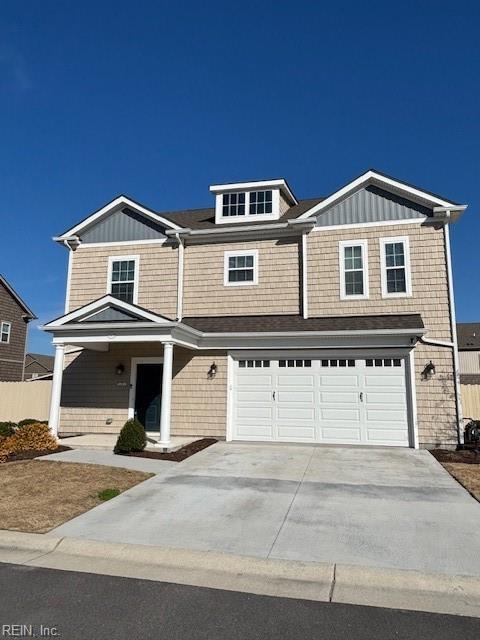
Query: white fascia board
[(99, 305), (257, 184), (121, 200), (372, 176)]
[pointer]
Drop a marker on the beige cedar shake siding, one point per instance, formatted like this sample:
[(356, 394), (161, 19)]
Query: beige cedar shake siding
[(92, 392), (157, 289), (277, 292), (436, 406)]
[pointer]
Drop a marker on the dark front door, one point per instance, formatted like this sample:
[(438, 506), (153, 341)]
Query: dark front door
[(148, 395)]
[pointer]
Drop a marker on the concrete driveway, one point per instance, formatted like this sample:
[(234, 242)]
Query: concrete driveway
[(382, 507)]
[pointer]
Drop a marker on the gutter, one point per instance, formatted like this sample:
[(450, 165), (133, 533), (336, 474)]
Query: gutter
[(276, 226)]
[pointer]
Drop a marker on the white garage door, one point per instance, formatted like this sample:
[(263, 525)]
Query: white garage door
[(333, 400)]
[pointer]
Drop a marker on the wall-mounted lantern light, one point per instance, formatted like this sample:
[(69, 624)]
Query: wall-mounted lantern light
[(428, 371), (212, 372), (120, 369)]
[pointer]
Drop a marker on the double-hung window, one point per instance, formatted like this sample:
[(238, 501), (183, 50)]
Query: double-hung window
[(123, 278), (353, 257), (241, 268), (395, 257), (5, 331)]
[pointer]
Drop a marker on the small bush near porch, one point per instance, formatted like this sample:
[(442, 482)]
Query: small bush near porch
[(36, 496)]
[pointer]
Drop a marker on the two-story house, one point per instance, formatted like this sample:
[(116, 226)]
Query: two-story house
[(14, 319), (266, 318)]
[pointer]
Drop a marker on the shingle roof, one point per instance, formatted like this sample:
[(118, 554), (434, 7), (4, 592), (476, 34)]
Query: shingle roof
[(468, 335), (45, 361), (288, 323), (205, 218)]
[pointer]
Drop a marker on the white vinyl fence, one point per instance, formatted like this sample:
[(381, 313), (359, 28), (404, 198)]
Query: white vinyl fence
[(19, 400)]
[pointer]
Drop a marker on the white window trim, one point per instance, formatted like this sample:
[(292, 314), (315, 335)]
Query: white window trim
[(8, 332), (232, 254), (341, 261), (221, 219), (111, 260), (383, 267)]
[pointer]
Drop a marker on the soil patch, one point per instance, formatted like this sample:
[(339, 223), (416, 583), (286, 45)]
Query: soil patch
[(463, 456), (29, 455), (176, 456)]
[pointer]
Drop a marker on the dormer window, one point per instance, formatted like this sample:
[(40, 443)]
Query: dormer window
[(260, 202), (233, 204), (264, 200)]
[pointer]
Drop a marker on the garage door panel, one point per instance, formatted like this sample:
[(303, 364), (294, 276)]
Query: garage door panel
[(338, 397), (296, 397), (388, 436), (385, 381), (296, 413), (254, 395), (382, 399), (339, 414), (386, 416), (247, 431), (255, 412), (286, 432), (254, 380), (295, 380)]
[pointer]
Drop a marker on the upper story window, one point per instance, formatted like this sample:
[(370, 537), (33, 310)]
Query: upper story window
[(241, 268), (353, 257), (260, 202), (123, 278), (5, 331), (233, 204), (395, 257)]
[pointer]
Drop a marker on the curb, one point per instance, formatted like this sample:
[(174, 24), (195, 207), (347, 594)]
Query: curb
[(324, 582)]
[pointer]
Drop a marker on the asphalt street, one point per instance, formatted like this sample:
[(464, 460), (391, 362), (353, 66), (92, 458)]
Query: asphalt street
[(70, 606)]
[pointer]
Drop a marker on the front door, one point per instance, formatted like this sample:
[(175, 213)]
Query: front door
[(148, 395)]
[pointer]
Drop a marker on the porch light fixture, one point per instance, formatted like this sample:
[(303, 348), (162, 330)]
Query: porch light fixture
[(120, 369), (212, 372), (428, 371)]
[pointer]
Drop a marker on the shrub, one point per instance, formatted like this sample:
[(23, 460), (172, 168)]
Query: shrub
[(131, 438), (7, 428), (26, 421), (31, 437)]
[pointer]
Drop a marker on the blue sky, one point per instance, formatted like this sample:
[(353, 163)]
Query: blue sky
[(159, 100)]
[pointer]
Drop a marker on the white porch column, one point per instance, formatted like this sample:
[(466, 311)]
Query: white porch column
[(54, 417), (166, 394)]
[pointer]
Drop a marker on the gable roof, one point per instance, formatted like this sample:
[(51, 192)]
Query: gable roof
[(113, 205), (43, 361), (468, 336), (28, 312), (372, 176), (118, 311)]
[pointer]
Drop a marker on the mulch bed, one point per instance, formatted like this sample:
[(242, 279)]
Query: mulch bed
[(176, 456), (29, 455), (462, 456)]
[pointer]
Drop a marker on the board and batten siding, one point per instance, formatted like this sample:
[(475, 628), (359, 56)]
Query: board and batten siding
[(277, 291), (157, 281), (121, 226), (95, 399)]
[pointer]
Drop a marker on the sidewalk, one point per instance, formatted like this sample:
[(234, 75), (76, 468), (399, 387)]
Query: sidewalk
[(325, 582)]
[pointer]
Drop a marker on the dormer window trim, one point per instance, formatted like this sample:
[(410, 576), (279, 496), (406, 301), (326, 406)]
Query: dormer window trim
[(248, 201)]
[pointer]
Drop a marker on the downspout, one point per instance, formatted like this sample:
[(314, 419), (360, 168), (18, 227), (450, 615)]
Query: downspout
[(453, 322), (181, 259), (304, 275), (69, 275)]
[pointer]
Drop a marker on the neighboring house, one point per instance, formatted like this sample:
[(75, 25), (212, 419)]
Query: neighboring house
[(469, 360), (14, 319), (264, 318), (38, 365)]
